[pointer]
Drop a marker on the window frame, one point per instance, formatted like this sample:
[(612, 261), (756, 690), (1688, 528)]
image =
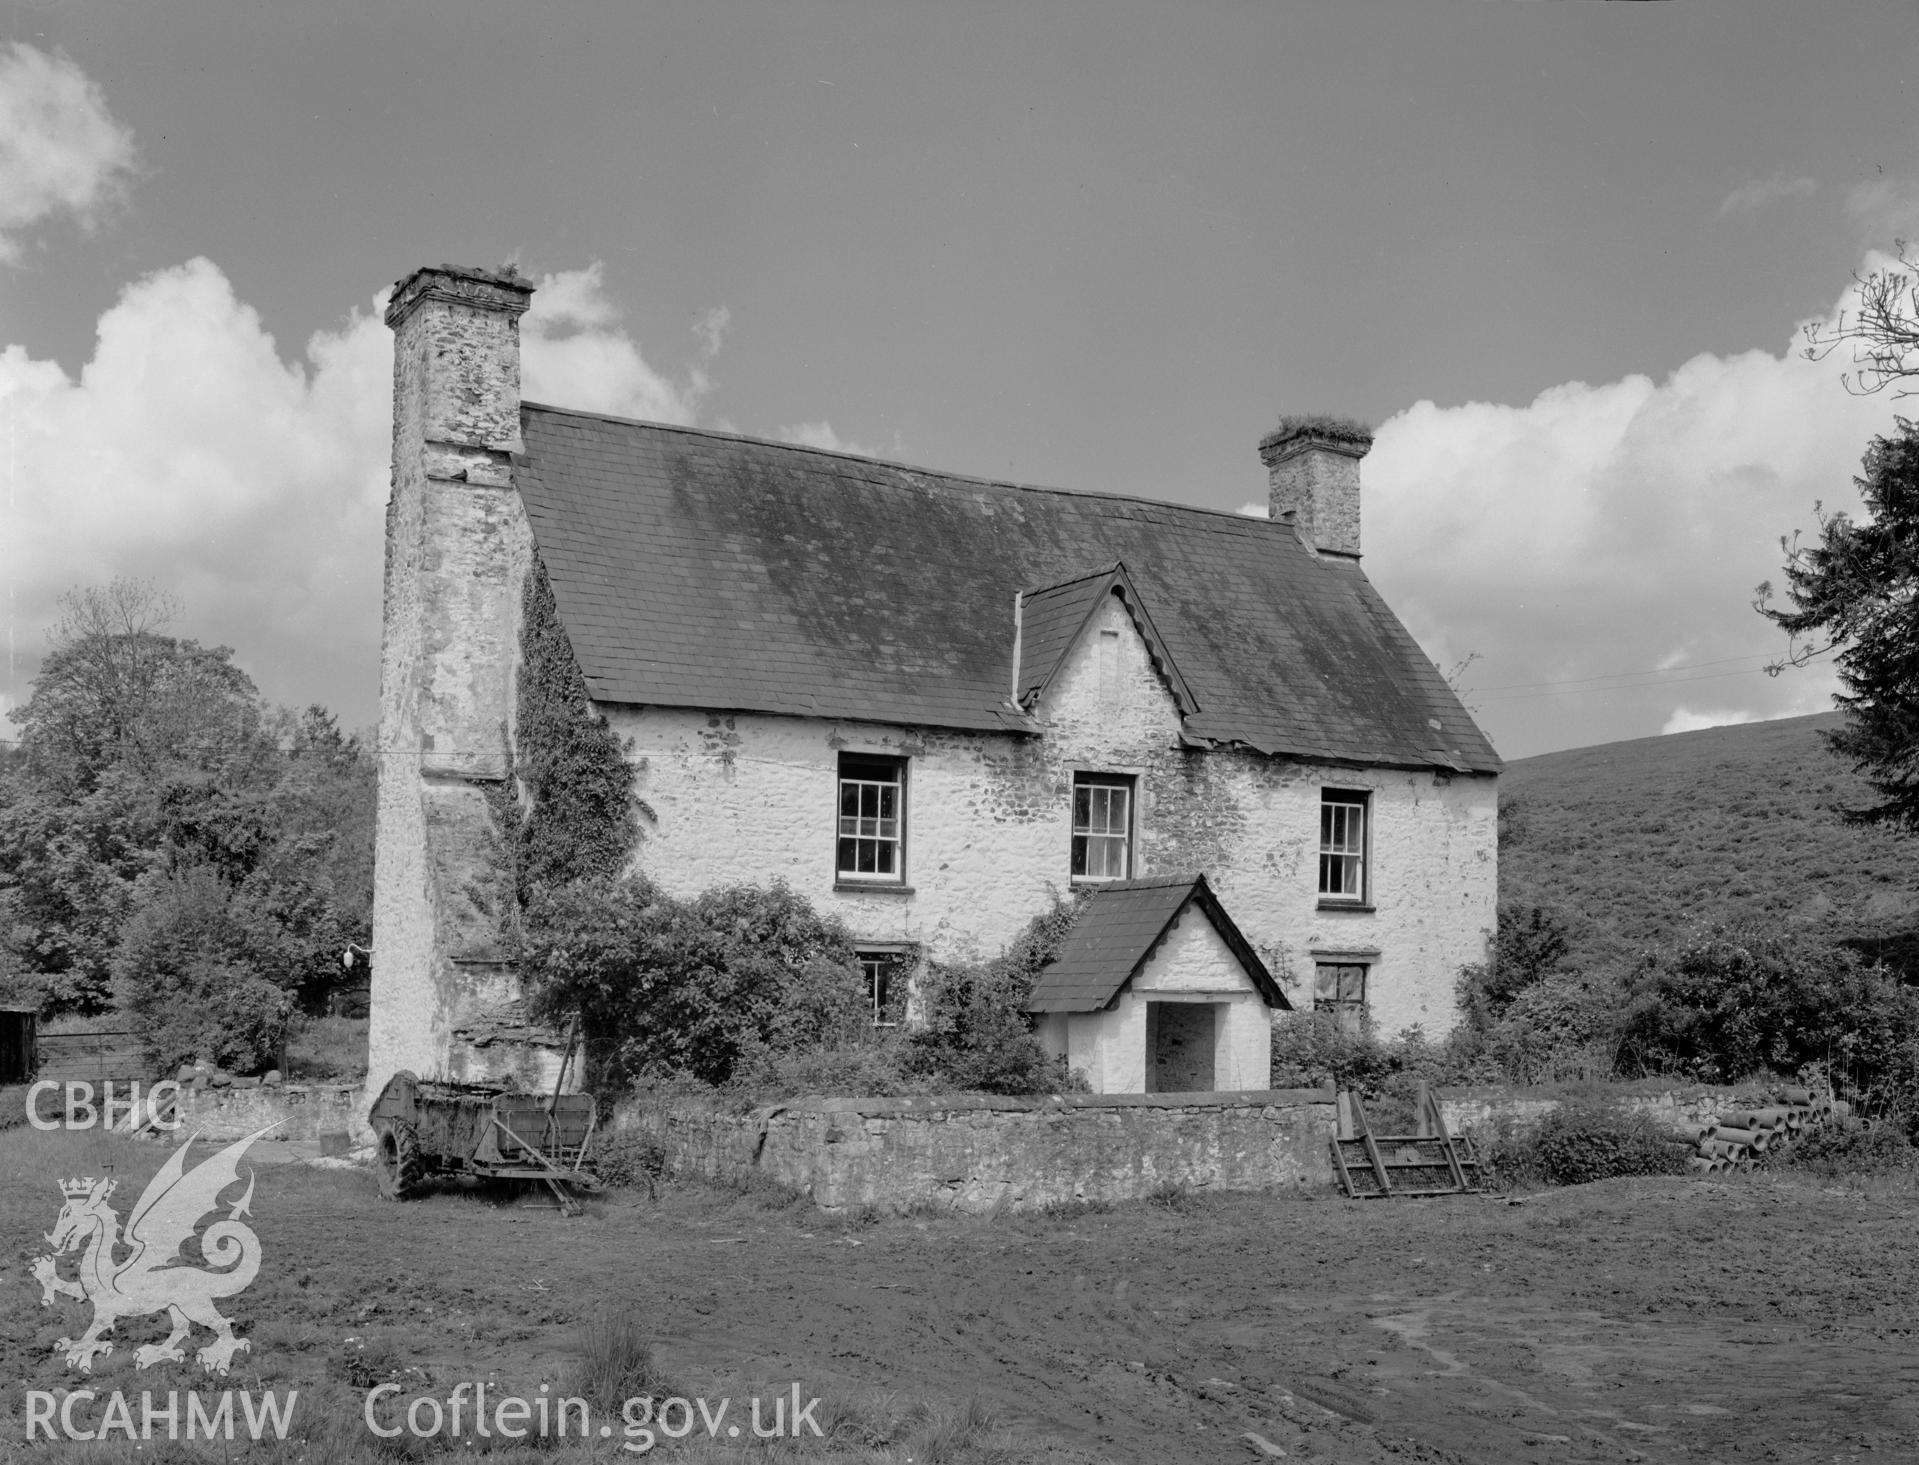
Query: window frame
[(860, 769), (1339, 1005), (895, 963), (1100, 778), (1359, 852)]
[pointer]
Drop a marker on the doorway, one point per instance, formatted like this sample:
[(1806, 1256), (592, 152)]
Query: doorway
[(1179, 1047)]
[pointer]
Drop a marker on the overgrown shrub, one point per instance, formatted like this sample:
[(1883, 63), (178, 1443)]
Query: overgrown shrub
[(189, 969), (976, 1036), (1563, 1026), (1585, 1140), (578, 818), (326, 1048), (696, 986), (868, 1070), (1850, 1147), (1529, 944), (1733, 1001), (1312, 1048), (627, 1157)]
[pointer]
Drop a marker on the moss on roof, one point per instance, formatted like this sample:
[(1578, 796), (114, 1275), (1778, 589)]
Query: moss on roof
[(694, 569)]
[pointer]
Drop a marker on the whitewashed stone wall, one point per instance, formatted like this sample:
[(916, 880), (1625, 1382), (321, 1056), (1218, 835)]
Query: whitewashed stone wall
[(751, 798)]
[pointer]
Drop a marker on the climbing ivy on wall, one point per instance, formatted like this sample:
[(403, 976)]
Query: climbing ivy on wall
[(574, 807)]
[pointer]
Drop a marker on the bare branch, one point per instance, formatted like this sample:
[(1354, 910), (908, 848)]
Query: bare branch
[(1882, 334)]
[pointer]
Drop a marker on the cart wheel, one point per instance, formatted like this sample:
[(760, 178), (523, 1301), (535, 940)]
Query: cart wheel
[(401, 1170)]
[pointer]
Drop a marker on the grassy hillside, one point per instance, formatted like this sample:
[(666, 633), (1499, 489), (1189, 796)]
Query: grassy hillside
[(1637, 841)]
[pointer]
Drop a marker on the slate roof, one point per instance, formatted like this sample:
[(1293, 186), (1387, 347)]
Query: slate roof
[(1053, 618), (1118, 932), (698, 569)]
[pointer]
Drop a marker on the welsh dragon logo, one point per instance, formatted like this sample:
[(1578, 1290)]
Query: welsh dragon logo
[(153, 1276)]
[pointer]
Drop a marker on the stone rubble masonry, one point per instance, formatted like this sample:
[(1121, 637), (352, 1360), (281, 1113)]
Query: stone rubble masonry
[(458, 548), (978, 1154), (745, 797), (1317, 480), (299, 1111), (1481, 1110)]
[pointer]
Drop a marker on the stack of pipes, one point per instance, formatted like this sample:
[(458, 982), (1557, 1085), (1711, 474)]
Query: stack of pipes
[(1736, 1140)]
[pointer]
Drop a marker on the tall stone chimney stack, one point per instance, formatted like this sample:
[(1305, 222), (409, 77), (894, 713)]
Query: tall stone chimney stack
[(458, 547), (1312, 464)]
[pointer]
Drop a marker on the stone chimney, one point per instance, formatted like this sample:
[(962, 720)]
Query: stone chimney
[(1312, 465), (458, 547)]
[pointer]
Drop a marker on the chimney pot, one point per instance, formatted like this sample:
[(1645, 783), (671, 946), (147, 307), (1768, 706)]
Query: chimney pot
[(1312, 464)]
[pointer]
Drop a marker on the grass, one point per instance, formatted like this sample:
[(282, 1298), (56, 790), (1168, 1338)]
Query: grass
[(1637, 841)]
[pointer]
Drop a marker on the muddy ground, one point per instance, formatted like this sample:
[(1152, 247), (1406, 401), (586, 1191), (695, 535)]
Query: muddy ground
[(1768, 1318)]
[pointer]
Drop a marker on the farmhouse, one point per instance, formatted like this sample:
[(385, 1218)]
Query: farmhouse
[(929, 703)]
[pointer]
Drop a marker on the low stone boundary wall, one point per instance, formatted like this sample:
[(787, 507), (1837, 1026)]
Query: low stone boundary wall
[(1474, 1110), (302, 1111), (979, 1154)]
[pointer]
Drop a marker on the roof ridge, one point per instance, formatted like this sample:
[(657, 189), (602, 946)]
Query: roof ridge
[(1230, 515), (1099, 574)]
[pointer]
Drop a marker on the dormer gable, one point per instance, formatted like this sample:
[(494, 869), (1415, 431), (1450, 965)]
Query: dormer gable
[(1050, 621)]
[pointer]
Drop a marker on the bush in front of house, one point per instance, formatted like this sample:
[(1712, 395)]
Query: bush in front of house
[(976, 1036), (1584, 1140), (697, 987), (1563, 1027), (1528, 1017), (1731, 1001), (1313, 1048)]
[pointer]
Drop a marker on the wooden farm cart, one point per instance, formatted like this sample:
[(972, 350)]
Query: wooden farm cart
[(432, 1127)]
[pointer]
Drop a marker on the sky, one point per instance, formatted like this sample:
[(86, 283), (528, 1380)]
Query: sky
[(1559, 255)]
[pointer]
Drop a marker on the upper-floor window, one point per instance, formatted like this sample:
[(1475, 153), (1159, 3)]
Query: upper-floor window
[(1102, 826), (1342, 845), (872, 819)]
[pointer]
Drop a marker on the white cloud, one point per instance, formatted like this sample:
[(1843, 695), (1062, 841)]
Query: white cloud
[(1749, 198), (1253, 509), (252, 486), (821, 435), (1684, 719), (575, 353), (1599, 546), (61, 150)]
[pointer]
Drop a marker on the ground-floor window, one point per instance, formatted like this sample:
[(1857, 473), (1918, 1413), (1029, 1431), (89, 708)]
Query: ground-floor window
[(885, 970), (1339, 987)]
